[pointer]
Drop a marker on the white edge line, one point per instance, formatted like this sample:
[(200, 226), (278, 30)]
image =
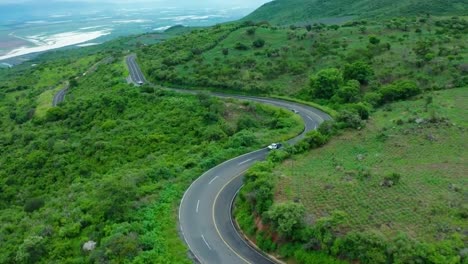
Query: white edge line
[(208, 171), (190, 187), (221, 164), (236, 231), (204, 240)]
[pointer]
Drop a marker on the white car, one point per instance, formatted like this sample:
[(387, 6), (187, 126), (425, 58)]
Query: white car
[(140, 82), (275, 146), (295, 111)]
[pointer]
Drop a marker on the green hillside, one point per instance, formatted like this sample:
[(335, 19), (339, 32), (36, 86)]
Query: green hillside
[(269, 60), (110, 164), (393, 192), (302, 11)]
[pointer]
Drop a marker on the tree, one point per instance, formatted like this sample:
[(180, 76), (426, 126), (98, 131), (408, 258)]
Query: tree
[(258, 43), (72, 82), (31, 250), (225, 51), (287, 217), (350, 93), (326, 83), (315, 139), (241, 46), (33, 204), (374, 40), (423, 47), (251, 31), (359, 71)]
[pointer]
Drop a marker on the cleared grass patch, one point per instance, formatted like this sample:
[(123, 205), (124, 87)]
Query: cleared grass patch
[(425, 145), (45, 99)]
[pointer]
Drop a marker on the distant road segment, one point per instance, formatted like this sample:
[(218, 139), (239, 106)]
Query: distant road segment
[(205, 212), (135, 72)]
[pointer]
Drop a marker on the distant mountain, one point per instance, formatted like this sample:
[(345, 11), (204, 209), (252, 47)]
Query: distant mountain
[(297, 11)]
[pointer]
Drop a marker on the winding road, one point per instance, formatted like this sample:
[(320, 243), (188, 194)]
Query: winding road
[(205, 212), (60, 95)]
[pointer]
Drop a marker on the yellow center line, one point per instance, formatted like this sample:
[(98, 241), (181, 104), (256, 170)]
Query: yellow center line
[(214, 221)]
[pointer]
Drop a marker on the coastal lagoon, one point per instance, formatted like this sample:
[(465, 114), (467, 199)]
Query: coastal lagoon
[(20, 38)]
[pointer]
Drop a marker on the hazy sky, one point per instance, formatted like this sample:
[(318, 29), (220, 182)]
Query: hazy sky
[(191, 3)]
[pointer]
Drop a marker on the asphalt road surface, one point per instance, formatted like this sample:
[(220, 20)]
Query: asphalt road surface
[(60, 96), (135, 72), (205, 212)]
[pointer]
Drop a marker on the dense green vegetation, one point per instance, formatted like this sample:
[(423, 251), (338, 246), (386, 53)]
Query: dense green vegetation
[(268, 60), (306, 11), (393, 192), (111, 163)]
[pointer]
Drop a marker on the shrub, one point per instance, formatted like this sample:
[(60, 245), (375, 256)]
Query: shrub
[(308, 257), (349, 119), (251, 31), (350, 93), (33, 204), (31, 251), (286, 217), (362, 109), (367, 247), (244, 138), (264, 242), (399, 90), (315, 139), (374, 40), (390, 180), (241, 46), (259, 43), (373, 98), (245, 122), (263, 193), (278, 156), (328, 128), (55, 114)]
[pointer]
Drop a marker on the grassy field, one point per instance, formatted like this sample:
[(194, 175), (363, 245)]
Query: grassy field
[(429, 202), (45, 100)]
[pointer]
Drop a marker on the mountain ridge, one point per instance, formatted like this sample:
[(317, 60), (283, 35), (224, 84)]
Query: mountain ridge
[(300, 11)]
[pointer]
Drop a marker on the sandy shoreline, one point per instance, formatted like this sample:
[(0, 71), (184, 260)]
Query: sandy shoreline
[(45, 43)]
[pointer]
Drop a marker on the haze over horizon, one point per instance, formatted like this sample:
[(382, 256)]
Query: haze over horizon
[(31, 26), (154, 3)]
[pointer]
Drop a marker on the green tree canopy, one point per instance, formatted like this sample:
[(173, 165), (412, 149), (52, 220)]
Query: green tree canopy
[(326, 83), (287, 217), (350, 93), (359, 71)]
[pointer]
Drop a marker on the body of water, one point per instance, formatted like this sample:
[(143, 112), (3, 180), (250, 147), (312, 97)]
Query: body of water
[(25, 35)]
